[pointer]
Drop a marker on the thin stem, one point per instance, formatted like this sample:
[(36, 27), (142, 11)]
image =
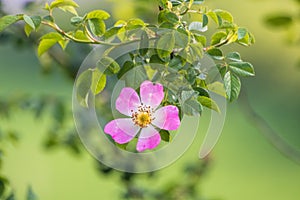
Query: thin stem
[(92, 39)]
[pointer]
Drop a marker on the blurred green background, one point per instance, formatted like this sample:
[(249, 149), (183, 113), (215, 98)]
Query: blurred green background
[(245, 165)]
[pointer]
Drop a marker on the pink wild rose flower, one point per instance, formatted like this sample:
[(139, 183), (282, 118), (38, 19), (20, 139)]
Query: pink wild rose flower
[(143, 116)]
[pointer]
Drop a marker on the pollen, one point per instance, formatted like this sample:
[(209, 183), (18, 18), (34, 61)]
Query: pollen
[(143, 116)]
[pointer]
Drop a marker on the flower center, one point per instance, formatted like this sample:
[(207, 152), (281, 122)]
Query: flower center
[(143, 116)]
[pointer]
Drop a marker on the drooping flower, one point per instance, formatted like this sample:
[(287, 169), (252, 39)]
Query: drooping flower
[(144, 116)]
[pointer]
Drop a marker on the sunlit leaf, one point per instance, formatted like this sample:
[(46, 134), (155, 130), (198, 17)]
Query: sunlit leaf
[(225, 15), (8, 20), (97, 26), (98, 81), (27, 30), (98, 14), (218, 88), (234, 56), (242, 32), (29, 21), (45, 45), (232, 85), (209, 103), (218, 38), (216, 53), (108, 66), (61, 3), (242, 68), (83, 84)]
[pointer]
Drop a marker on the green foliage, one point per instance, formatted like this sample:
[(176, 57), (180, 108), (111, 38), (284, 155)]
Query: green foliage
[(47, 41), (179, 48), (165, 45), (209, 103), (98, 81), (8, 20), (165, 135), (232, 85)]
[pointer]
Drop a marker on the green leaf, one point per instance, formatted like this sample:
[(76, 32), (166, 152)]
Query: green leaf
[(47, 41), (218, 38), (242, 32), (52, 35), (29, 21), (97, 26), (196, 51), (216, 53), (204, 20), (111, 32), (69, 9), (234, 56), (83, 85), (98, 14), (156, 59), (186, 95), (200, 38), (79, 34), (8, 20), (127, 66), (182, 37), (192, 107), (63, 43), (225, 15), (98, 81), (27, 30), (165, 135), (213, 16), (134, 24), (165, 45), (76, 20), (176, 63), (232, 85), (122, 146), (136, 76), (144, 43), (279, 20), (63, 3), (108, 66), (167, 16), (45, 45), (242, 68), (209, 103), (218, 88), (31, 195)]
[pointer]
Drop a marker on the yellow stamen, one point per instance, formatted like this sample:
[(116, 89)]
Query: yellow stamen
[(143, 117)]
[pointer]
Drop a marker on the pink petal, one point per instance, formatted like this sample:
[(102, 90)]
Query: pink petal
[(151, 93), (149, 139), (127, 101), (121, 130), (167, 118)]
